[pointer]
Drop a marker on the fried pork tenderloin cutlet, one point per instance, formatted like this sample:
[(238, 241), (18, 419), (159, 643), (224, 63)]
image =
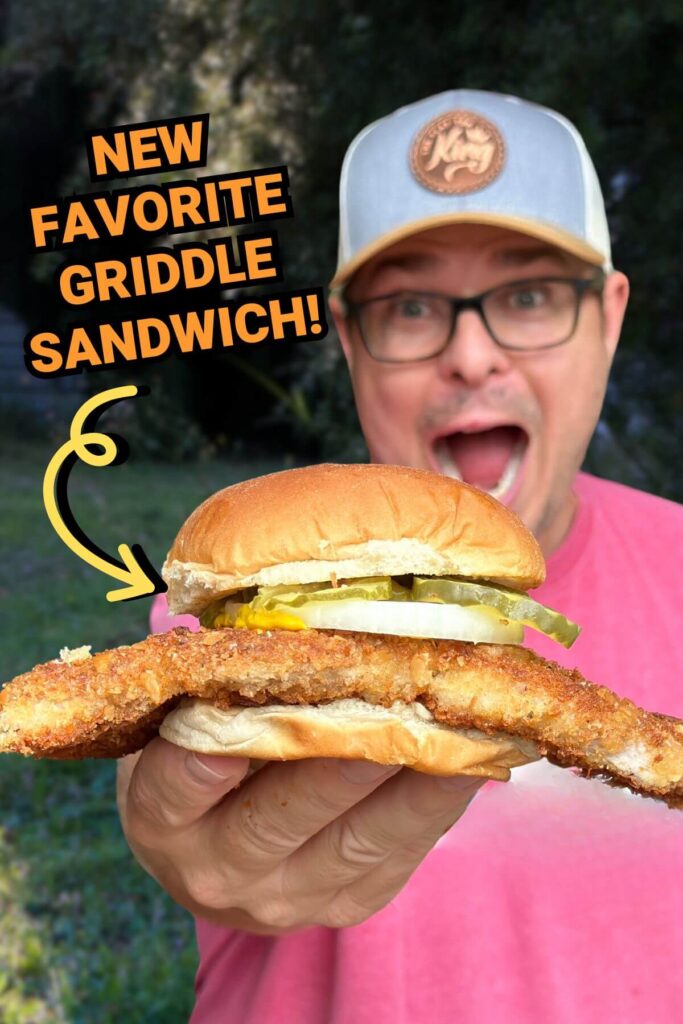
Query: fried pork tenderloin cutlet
[(112, 703)]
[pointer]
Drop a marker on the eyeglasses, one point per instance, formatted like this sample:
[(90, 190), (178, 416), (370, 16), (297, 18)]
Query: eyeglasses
[(526, 316)]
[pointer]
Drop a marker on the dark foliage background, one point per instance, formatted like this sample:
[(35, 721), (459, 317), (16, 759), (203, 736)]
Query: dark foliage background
[(294, 81)]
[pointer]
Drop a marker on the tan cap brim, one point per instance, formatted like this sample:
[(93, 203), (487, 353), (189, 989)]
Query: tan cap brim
[(535, 229)]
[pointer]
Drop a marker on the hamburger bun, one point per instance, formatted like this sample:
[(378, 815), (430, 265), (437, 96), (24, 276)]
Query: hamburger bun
[(346, 521), (329, 522), (405, 734)]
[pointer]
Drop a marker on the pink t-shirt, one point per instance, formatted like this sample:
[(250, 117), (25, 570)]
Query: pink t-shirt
[(554, 898)]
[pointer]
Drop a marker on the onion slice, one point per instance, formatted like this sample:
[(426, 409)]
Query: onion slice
[(409, 618)]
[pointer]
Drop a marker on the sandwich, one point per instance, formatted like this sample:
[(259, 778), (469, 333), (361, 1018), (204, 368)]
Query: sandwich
[(373, 612)]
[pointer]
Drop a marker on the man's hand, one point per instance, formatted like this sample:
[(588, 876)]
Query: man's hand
[(322, 841)]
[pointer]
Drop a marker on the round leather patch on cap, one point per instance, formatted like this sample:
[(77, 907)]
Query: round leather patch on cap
[(457, 152)]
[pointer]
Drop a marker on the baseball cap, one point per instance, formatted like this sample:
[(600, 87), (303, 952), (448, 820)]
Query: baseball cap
[(472, 157)]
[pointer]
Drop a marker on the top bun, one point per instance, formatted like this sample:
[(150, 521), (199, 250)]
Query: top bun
[(313, 524)]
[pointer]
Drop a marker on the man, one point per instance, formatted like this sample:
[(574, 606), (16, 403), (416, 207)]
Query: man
[(479, 314)]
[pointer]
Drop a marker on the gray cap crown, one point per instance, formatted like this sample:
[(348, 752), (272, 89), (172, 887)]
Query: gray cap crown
[(547, 186)]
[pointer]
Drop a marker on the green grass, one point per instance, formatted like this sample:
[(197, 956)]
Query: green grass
[(86, 935)]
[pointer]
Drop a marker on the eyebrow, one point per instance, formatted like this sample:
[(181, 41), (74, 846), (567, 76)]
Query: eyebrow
[(523, 256), (411, 261)]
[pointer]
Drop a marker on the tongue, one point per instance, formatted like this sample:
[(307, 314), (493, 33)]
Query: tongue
[(481, 458)]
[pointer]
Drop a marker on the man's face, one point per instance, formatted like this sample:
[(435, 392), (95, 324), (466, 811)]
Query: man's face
[(515, 423)]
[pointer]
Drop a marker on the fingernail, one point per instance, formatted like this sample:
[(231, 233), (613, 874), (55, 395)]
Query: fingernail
[(212, 769), (366, 771)]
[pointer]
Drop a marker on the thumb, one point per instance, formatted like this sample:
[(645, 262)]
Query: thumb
[(171, 788)]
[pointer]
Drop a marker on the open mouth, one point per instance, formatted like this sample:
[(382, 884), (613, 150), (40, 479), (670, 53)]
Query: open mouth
[(488, 459)]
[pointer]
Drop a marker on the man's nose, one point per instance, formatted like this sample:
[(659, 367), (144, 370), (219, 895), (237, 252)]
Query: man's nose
[(471, 354)]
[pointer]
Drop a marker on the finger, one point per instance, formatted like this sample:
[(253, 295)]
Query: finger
[(284, 805), (381, 885), (171, 788), (124, 770), (400, 821)]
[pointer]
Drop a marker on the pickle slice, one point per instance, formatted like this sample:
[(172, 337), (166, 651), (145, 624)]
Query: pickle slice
[(498, 601), (208, 617), (513, 605), (372, 588)]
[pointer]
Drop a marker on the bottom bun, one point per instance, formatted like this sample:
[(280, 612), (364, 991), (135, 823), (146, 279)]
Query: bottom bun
[(404, 734)]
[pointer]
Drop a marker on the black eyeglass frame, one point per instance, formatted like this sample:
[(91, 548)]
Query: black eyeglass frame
[(581, 286)]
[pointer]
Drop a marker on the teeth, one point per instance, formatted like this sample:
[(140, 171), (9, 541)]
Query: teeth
[(508, 477), (449, 467)]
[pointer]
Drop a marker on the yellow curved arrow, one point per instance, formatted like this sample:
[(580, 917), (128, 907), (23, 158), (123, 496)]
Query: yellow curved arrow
[(137, 581)]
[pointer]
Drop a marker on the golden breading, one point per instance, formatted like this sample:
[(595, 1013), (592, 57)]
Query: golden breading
[(112, 703)]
